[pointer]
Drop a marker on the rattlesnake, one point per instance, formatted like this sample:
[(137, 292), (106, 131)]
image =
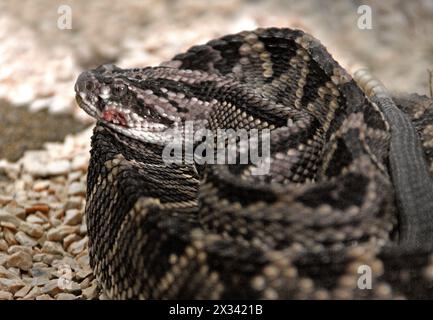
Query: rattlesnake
[(334, 203)]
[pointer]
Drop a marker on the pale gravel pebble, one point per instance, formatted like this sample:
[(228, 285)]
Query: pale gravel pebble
[(39, 257), (25, 240), (53, 248), (41, 185), (65, 296), (49, 258), (16, 210), (90, 292), (82, 274), (40, 281), (3, 245), (39, 165), (21, 260), (73, 287), (69, 239), (75, 175), (51, 287), (8, 225), (3, 258), (15, 270), (80, 162), (77, 188), (32, 229), (10, 170), (11, 285), (34, 219), (83, 229), (21, 293), (83, 259), (69, 261), (54, 221), (72, 217), (5, 273), (44, 297), (4, 295), (8, 217), (73, 203), (4, 200), (17, 248), (41, 272), (9, 236), (78, 246), (34, 292), (60, 232)]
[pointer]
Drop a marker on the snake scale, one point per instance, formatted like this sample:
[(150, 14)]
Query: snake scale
[(349, 185)]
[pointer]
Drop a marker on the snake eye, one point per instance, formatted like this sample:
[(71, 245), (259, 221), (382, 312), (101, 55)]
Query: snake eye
[(119, 90)]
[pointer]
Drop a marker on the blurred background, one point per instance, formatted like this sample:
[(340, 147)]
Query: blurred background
[(44, 136)]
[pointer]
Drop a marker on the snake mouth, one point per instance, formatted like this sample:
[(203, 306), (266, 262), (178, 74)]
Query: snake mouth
[(119, 119), (115, 117)]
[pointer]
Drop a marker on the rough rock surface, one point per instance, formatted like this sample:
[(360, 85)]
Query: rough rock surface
[(43, 242)]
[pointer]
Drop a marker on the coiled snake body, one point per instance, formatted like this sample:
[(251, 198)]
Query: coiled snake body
[(336, 201)]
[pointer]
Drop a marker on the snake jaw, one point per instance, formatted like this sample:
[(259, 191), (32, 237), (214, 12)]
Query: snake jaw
[(115, 117)]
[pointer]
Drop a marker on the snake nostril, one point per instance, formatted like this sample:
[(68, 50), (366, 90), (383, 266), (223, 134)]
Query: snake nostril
[(89, 85)]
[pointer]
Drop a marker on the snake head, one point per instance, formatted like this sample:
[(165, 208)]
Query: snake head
[(124, 100)]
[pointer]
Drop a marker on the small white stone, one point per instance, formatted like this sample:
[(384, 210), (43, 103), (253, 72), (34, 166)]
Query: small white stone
[(69, 239), (22, 292), (78, 246), (41, 185), (80, 162), (11, 285), (44, 297), (73, 203), (21, 260), (66, 296), (52, 287), (37, 164), (32, 229), (34, 219), (77, 188), (91, 292), (4, 295), (16, 248), (8, 274), (25, 240), (53, 248), (34, 292), (10, 218), (72, 217), (58, 233), (3, 245)]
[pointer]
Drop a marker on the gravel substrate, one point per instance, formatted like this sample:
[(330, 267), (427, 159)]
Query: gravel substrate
[(21, 129), (43, 241)]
